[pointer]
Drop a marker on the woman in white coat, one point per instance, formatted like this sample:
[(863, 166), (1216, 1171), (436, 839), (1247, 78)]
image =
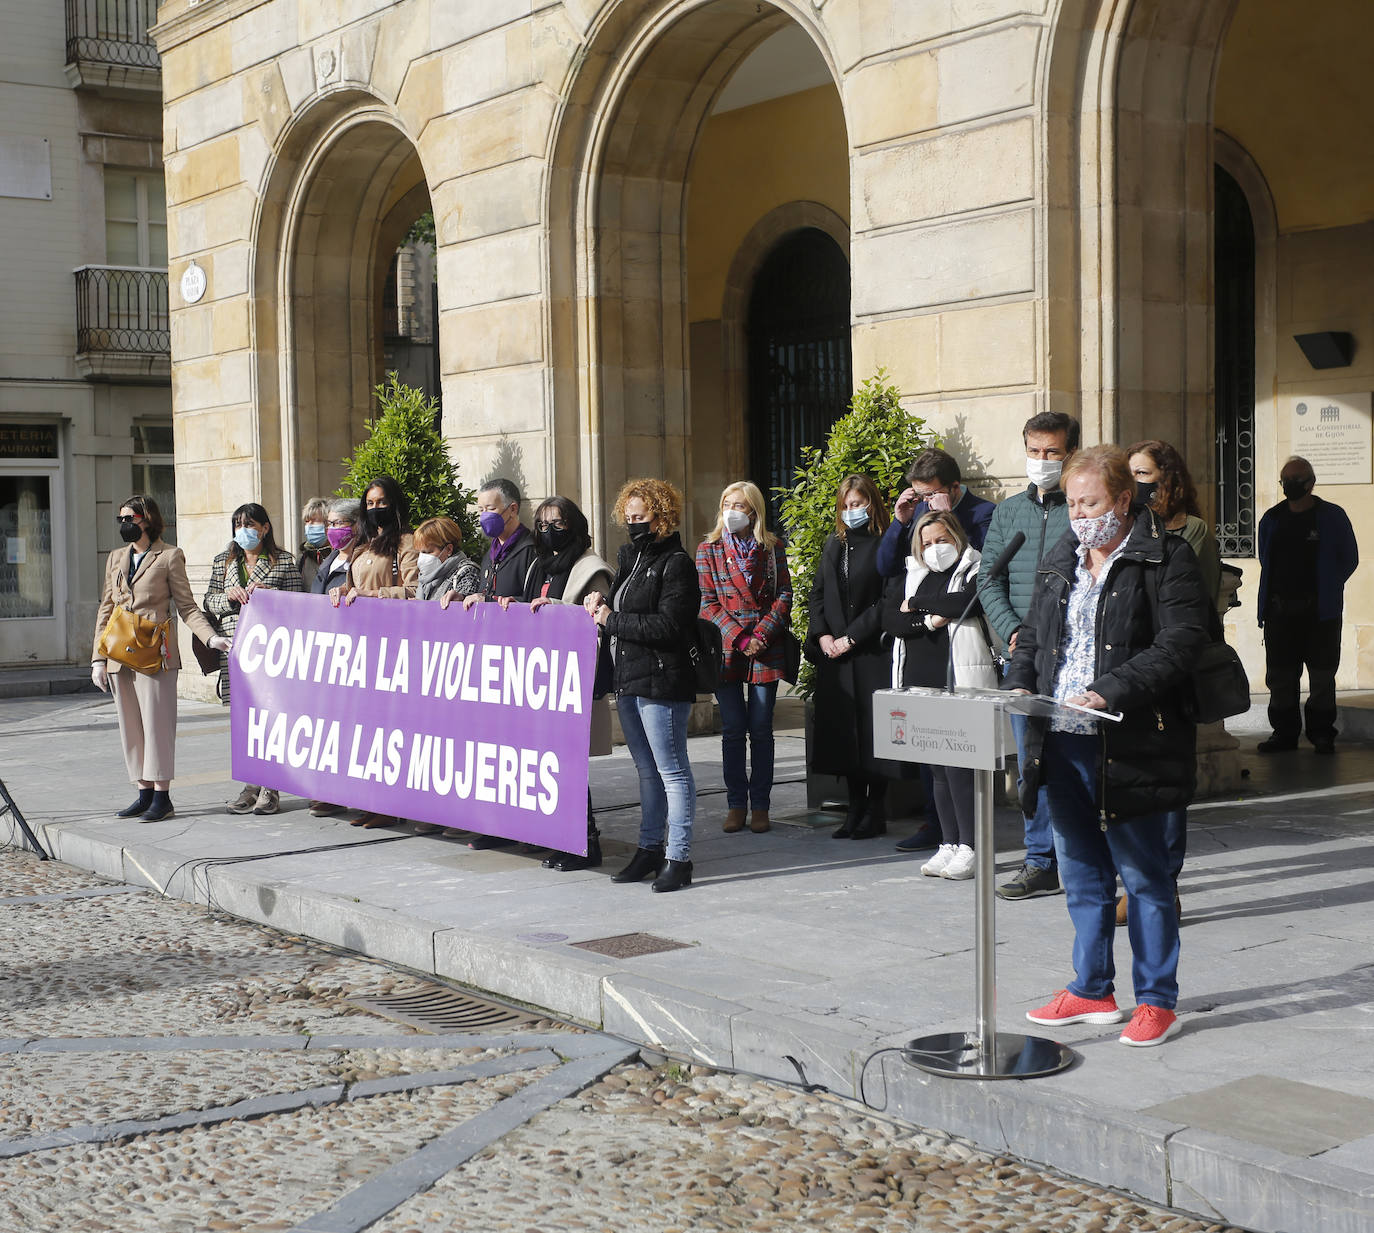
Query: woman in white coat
[(940, 579)]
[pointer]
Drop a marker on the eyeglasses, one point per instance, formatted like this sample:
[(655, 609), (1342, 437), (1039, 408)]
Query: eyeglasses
[(340, 522), (556, 525), (128, 518)]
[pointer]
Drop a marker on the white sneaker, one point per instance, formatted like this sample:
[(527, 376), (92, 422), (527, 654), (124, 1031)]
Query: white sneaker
[(935, 866), (959, 867)]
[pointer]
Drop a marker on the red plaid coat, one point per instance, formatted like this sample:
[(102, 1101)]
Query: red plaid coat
[(728, 602)]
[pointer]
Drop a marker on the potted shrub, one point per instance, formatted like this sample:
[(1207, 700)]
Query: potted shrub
[(875, 437)]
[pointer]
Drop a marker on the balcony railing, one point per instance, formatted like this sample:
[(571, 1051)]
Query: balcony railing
[(122, 326), (112, 32)]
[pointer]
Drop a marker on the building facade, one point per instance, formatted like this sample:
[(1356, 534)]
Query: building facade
[(668, 231), (85, 384)]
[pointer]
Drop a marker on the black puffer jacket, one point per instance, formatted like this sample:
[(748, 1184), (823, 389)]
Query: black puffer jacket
[(654, 622), (1148, 761)]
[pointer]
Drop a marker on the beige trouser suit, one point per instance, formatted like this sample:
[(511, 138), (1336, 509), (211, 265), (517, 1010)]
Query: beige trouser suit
[(146, 704)]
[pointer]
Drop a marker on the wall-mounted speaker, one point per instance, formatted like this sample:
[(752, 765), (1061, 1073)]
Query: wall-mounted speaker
[(1328, 349)]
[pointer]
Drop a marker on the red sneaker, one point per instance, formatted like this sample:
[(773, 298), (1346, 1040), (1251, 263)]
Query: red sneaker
[(1066, 1007), (1150, 1025)]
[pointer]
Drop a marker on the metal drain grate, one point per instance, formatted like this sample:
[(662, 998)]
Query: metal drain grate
[(628, 945), (436, 1009)]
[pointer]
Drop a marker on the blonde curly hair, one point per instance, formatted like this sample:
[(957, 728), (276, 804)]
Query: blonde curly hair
[(661, 499)]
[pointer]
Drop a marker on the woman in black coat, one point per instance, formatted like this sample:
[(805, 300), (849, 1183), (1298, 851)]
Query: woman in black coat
[(844, 641), (650, 617), (1116, 618)]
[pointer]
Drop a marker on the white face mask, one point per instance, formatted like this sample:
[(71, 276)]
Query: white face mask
[(1044, 472), (940, 557), (1095, 532), (737, 520), (855, 518), (428, 562)]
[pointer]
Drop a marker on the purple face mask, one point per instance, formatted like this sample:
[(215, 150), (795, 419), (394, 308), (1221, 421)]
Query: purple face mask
[(492, 523), (338, 536)]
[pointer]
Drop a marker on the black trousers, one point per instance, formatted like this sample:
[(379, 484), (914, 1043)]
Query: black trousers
[(1292, 643)]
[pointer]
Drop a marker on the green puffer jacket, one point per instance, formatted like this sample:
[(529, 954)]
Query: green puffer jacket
[(1006, 600)]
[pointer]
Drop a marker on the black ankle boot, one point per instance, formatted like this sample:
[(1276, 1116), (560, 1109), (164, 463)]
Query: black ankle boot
[(644, 862), (874, 823), (570, 862), (852, 817), (145, 798), (160, 807), (675, 876)]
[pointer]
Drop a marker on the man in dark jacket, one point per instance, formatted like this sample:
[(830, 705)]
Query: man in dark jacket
[(512, 546), (1039, 513), (934, 482), (1307, 550)]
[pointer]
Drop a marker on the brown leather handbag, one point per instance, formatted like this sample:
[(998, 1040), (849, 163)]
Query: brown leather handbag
[(135, 641)]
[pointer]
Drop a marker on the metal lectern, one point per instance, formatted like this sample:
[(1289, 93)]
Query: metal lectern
[(969, 728)]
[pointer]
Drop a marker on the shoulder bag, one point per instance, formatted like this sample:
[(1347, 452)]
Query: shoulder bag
[(791, 646), (135, 641)]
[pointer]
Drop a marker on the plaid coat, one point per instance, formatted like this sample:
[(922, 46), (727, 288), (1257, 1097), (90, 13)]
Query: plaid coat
[(728, 602), (280, 574)]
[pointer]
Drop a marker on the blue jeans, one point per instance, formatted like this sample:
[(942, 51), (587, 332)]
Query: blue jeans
[(1090, 857), (656, 733), (1039, 832), (747, 710), (1176, 839)]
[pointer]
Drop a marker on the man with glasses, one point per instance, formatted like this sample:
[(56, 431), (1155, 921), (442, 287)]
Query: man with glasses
[(934, 483)]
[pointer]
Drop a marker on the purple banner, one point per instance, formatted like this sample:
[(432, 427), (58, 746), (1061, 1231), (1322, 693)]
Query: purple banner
[(479, 720)]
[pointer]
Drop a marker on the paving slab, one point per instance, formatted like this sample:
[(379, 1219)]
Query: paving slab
[(815, 959)]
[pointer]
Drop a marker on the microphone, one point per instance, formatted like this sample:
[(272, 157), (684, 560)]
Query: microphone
[(999, 567)]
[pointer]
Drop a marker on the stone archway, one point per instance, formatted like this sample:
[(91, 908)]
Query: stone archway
[(346, 185), (618, 204), (1128, 88)]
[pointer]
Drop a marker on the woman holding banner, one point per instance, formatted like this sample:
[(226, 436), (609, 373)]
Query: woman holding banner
[(566, 570), (251, 561), (746, 591), (146, 579), (445, 569), (650, 616), (383, 564)]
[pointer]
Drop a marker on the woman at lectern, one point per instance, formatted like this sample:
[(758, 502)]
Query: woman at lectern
[(844, 641), (940, 579), (1117, 615)]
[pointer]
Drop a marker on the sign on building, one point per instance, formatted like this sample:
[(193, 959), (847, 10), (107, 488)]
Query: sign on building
[(1332, 431)]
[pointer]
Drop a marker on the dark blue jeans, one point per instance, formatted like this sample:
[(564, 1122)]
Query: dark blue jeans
[(1090, 857), (747, 711), (1038, 831)]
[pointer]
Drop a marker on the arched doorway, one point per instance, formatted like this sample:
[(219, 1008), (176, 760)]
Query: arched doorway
[(800, 374), (657, 180), (346, 189)]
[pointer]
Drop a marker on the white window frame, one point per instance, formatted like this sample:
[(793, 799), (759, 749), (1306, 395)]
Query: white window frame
[(141, 220)]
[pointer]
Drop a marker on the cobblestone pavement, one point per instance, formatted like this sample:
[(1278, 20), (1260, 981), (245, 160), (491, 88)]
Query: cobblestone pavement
[(103, 993)]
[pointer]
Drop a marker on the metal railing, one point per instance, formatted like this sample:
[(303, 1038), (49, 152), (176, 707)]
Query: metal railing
[(122, 309), (112, 32)]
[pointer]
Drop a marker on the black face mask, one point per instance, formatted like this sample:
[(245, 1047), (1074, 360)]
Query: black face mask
[(383, 517), (1296, 489), (1145, 493), (130, 532), (641, 534), (555, 540)]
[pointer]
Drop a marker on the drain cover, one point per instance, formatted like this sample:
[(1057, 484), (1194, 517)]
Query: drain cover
[(434, 1008), (628, 945)]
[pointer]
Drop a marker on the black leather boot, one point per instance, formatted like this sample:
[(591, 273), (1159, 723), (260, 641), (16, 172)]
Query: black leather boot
[(145, 798), (853, 816), (571, 862), (644, 862), (874, 822), (160, 807), (675, 876)]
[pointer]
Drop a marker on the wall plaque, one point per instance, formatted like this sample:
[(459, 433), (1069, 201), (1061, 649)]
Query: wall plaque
[(1332, 432)]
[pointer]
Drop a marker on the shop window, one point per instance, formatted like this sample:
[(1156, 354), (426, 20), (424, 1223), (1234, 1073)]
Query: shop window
[(26, 572), (154, 474), (135, 219), (1234, 257)]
